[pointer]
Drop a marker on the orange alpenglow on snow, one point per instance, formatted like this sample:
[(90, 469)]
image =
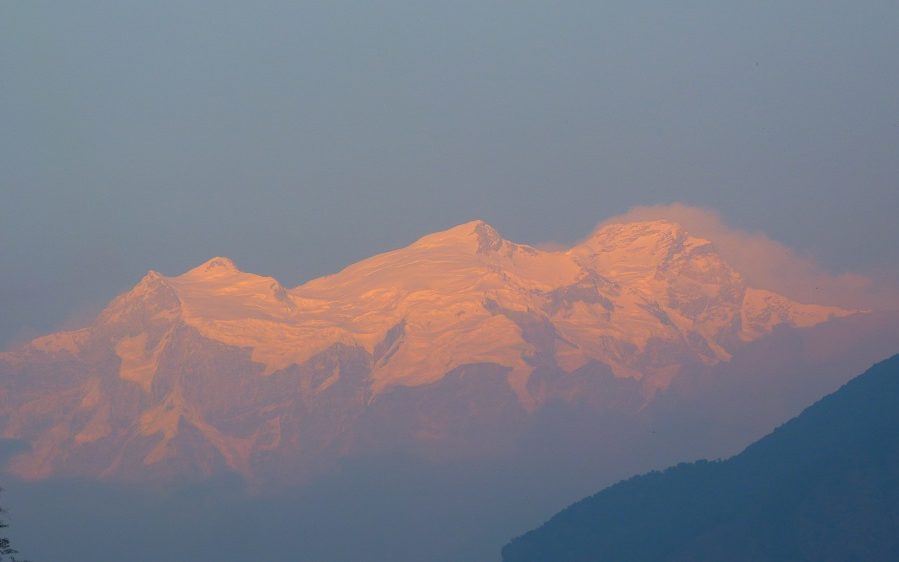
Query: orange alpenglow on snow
[(253, 368), (455, 295)]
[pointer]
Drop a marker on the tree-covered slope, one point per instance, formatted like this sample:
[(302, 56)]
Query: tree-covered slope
[(823, 487)]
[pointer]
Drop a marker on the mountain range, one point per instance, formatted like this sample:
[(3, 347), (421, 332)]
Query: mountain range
[(446, 347), (370, 413)]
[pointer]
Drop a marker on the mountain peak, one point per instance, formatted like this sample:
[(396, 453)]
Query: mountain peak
[(639, 249), (151, 279), (219, 263), (475, 234), (489, 239), (151, 282), (661, 229), (214, 267)]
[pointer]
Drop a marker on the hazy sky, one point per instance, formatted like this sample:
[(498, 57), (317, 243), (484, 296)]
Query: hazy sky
[(296, 137)]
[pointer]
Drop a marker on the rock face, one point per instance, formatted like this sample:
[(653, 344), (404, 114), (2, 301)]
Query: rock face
[(824, 486), (447, 347)]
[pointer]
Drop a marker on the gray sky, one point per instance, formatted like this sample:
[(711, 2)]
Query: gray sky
[(296, 137)]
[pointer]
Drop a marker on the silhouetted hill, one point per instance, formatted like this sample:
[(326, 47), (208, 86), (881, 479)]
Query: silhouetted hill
[(823, 487)]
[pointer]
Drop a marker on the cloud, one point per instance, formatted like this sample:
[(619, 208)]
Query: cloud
[(768, 264)]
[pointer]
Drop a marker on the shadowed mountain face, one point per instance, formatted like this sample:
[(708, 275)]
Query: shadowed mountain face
[(822, 487), (451, 348)]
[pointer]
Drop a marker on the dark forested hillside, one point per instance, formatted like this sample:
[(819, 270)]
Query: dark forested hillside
[(822, 487)]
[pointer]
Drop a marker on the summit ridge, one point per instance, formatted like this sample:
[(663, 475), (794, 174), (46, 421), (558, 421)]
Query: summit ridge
[(643, 302)]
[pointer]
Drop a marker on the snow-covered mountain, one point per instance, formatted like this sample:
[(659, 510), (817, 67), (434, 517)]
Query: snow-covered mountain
[(218, 369)]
